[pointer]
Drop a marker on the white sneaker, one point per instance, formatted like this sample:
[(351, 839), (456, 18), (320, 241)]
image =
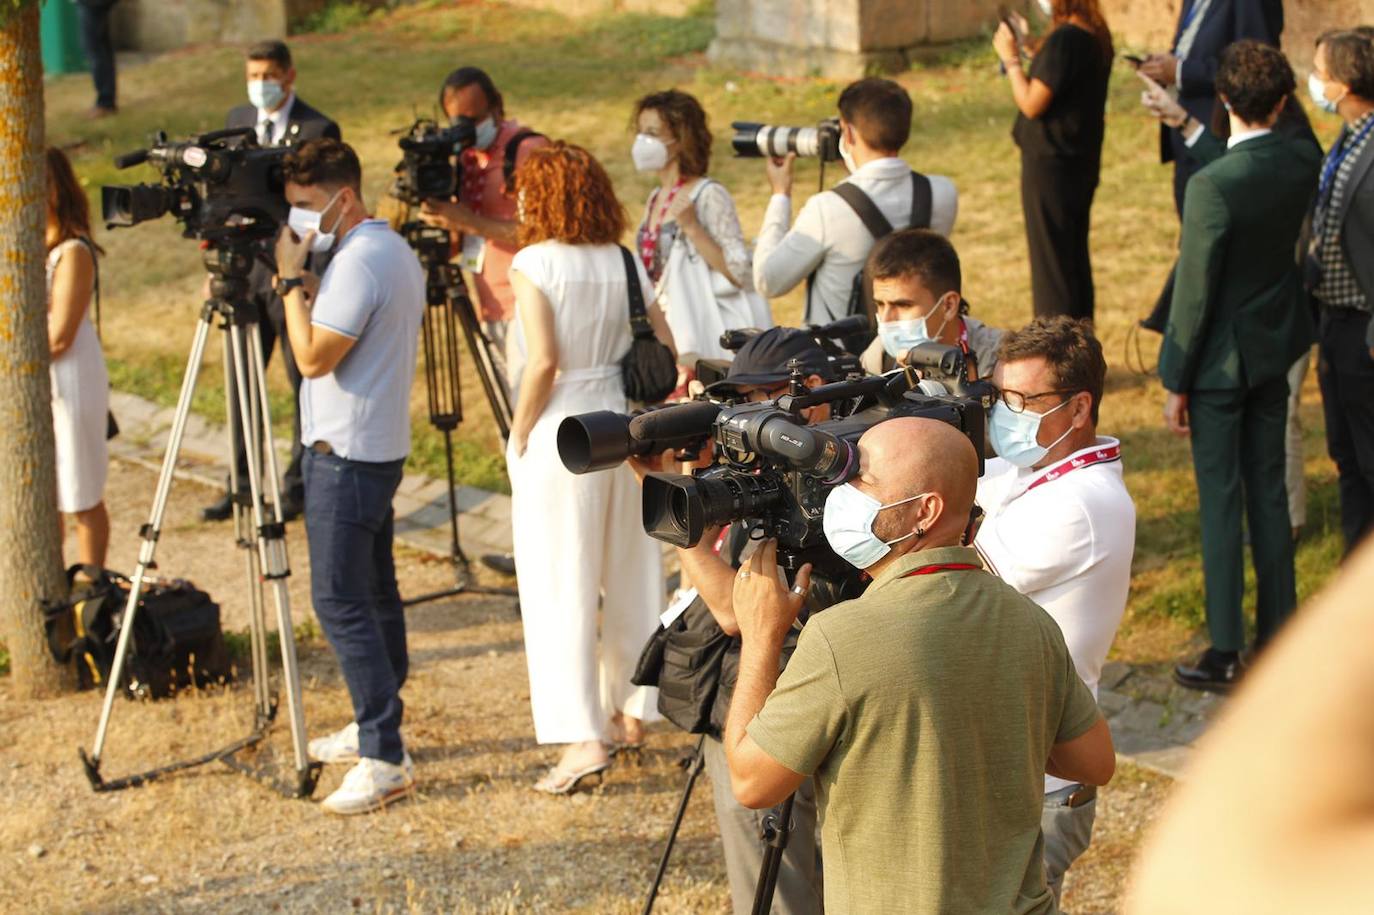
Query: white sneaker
[(371, 784), (339, 747)]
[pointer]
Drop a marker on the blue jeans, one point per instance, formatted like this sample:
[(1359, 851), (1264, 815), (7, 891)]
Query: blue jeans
[(348, 526)]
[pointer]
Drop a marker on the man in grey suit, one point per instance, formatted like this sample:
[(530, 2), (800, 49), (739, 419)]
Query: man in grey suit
[(1340, 270), (279, 118)]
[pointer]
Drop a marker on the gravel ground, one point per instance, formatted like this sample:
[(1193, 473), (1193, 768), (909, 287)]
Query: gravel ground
[(475, 839)]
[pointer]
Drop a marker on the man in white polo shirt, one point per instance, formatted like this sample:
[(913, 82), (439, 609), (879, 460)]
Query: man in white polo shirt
[(355, 347), (830, 241), (1059, 525)]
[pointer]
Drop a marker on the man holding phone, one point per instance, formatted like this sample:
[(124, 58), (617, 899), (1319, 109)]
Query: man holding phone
[(1189, 69)]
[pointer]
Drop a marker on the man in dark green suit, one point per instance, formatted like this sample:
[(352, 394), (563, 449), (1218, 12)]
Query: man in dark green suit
[(1237, 322)]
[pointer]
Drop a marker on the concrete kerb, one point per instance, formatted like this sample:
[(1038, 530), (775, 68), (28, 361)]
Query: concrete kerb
[(422, 521)]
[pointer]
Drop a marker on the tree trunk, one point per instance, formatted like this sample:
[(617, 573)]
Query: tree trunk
[(30, 547)]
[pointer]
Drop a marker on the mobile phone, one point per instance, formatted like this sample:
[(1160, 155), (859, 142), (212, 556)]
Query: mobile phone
[(1135, 60)]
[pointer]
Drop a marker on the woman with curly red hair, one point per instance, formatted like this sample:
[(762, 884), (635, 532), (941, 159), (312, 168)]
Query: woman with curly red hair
[(579, 542)]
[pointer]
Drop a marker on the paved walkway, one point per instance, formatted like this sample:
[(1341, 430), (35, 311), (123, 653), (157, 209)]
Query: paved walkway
[(1153, 721)]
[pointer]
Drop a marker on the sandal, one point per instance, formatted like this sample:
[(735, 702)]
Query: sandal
[(563, 782)]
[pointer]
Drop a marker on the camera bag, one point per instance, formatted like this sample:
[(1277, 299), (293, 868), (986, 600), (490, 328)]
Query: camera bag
[(177, 639), (649, 370)]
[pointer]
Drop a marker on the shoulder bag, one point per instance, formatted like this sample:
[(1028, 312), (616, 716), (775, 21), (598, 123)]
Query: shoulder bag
[(648, 371)]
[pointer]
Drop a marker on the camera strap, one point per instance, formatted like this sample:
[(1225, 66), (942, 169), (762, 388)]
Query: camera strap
[(511, 151)]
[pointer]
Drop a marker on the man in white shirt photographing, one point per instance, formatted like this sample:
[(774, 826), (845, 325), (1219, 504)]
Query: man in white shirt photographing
[(1059, 525), (837, 228)]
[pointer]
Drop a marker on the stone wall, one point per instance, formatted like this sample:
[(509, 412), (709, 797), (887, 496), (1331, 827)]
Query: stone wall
[(840, 38), (163, 25), (1149, 24)]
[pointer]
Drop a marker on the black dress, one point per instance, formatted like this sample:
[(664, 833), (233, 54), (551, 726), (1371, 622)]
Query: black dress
[(1061, 156)]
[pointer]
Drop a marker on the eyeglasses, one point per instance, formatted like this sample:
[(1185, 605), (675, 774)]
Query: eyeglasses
[(1016, 402)]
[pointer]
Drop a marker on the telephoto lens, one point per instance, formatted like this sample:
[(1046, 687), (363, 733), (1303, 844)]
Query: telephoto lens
[(754, 140)]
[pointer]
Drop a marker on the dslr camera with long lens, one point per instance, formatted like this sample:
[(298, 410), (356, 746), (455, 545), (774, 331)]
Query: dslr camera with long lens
[(221, 186), (770, 466), (754, 141)]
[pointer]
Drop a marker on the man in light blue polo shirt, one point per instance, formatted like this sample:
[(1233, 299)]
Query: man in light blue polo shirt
[(354, 340)]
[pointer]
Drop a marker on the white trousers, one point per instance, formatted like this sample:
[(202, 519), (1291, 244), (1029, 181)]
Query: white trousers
[(579, 546)]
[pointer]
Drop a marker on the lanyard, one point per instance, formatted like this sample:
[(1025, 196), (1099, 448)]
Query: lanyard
[(1100, 456), (970, 357), (1334, 160), (648, 239), (943, 567), (1189, 16)]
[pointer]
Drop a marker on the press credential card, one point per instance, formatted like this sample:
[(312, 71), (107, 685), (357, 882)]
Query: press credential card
[(675, 609), (474, 252)]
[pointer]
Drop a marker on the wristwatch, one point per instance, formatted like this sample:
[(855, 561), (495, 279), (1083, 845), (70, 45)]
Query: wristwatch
[(285, 285)]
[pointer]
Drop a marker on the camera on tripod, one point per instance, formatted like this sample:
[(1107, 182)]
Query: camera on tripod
[(428, 170), (221, 186), (753, 140)]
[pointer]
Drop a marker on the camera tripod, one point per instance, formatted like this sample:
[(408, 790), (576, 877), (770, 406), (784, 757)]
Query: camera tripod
[(258, 526), (447, 304), (776, 830)]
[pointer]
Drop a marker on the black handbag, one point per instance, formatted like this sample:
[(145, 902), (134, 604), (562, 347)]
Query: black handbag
[(648, 371)]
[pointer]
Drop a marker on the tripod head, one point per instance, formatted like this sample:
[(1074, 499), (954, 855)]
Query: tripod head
[(230, 264)]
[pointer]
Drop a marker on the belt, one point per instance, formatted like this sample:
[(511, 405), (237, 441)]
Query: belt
[(1071, 796), (595, 373), (322, 447)]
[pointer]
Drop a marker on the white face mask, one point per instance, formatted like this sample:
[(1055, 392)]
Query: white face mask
[(649, 153), (847, 156), (848, 525), (1316, 88), (900, 336), (486, 133), (265, 94), (302, 221)]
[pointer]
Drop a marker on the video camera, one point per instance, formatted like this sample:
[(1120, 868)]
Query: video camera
[(427, 170), (770, 466), (220, 185), (754, 141)]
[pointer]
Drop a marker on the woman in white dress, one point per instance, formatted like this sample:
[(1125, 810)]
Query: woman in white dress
[(691, 226), (579, 540), (80, 385)]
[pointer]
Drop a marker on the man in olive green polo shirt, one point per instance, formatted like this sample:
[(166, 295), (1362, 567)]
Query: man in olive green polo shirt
[(928, 710)]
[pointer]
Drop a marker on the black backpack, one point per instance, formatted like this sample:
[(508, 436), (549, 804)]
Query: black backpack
[(513, 150), (873, 219), (177, 641)]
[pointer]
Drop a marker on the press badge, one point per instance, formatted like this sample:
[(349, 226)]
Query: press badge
[(473, 254), (675, 609)]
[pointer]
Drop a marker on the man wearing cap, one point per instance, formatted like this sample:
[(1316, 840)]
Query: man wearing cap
[(760, 372)]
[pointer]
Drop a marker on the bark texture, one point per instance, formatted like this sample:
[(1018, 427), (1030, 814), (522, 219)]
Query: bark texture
[(30, 548)]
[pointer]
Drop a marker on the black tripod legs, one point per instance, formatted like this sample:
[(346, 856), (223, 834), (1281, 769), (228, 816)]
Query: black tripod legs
[(693, 764)]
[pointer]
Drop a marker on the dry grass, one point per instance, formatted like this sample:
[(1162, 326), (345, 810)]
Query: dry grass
[(476, 839)]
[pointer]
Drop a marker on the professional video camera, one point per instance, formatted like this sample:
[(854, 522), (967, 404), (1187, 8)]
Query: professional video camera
[(770, 465), (754, 141), (427, 170), (221, 186)]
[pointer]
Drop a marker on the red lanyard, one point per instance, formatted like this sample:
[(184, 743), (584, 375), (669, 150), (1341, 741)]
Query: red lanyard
[(1100, 456), (943, 567), (970, 357), (648, 238)]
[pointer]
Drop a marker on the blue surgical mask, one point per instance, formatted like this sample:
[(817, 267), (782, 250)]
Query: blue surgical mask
[(486, 133), (848, 525), (1015, 436), (302, 221), (265, 94), (1316, 88), (900, 336)]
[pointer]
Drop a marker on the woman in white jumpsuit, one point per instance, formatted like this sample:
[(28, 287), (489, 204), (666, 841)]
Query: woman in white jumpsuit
[(579, 541)]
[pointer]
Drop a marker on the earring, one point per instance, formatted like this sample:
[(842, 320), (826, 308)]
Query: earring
[(920, 532)]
